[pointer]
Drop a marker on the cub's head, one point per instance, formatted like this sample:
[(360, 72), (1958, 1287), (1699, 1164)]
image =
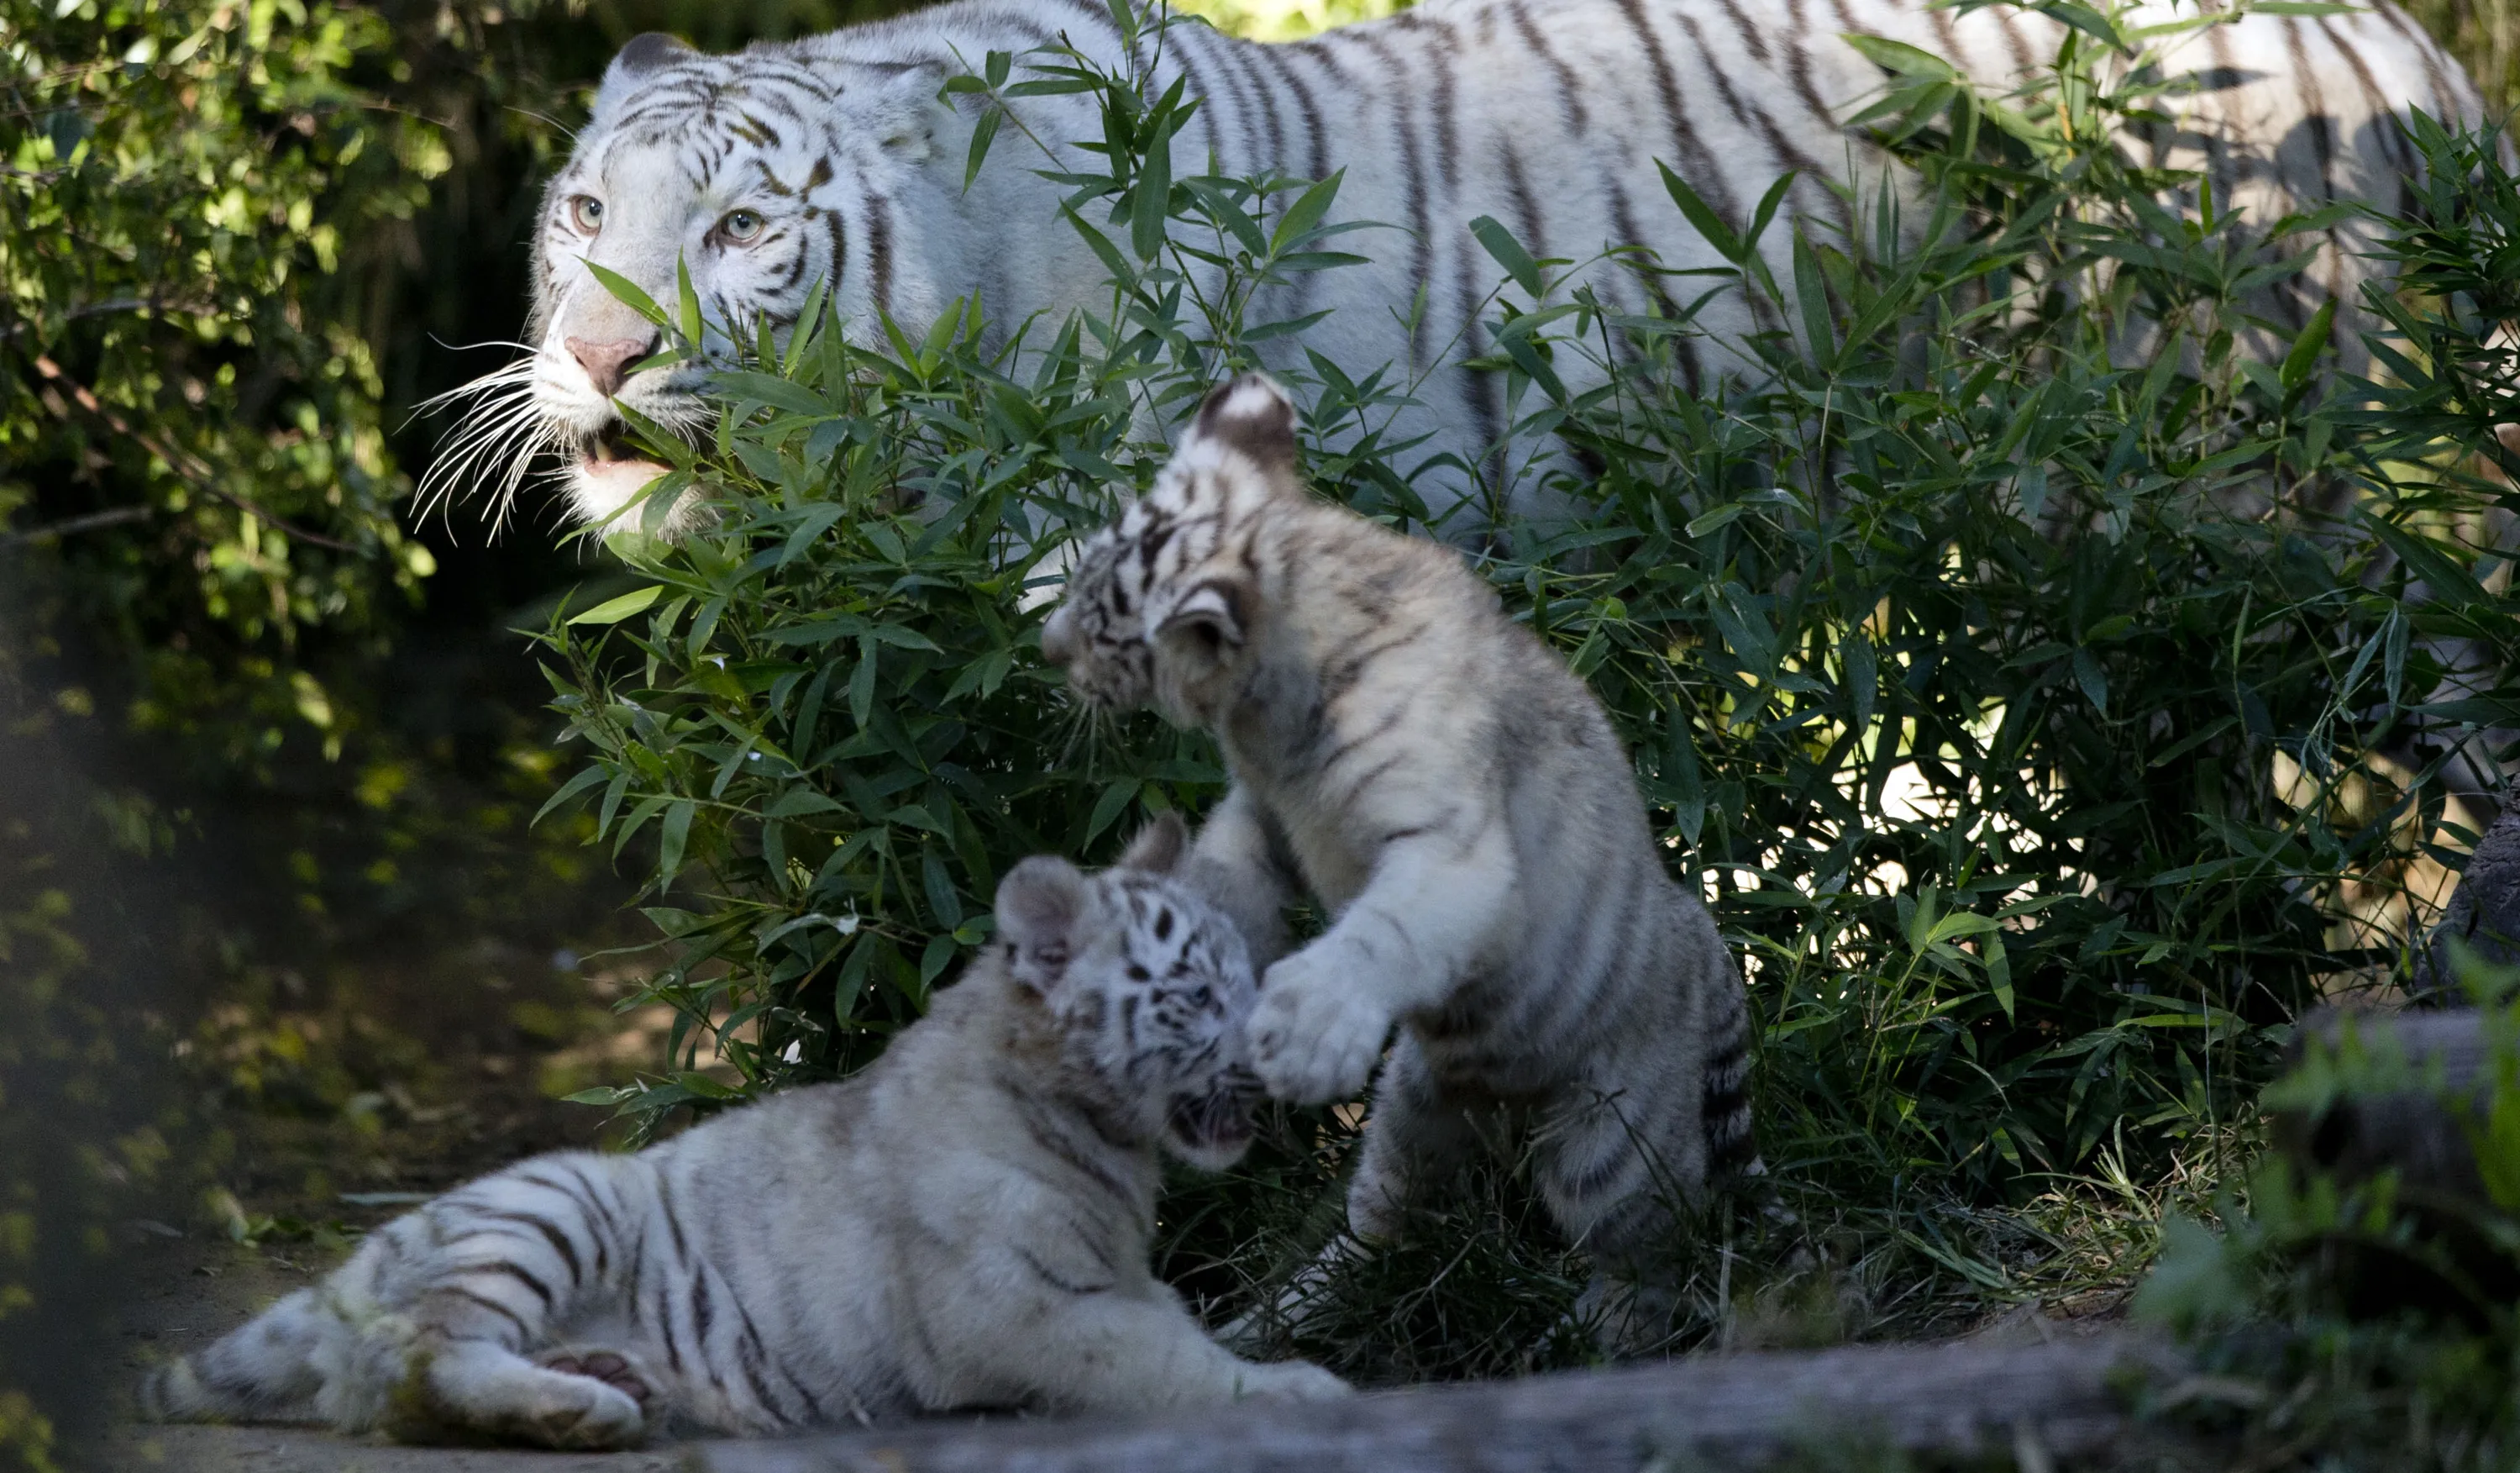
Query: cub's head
[(1164, 602), (1148, 987), (762, 173)]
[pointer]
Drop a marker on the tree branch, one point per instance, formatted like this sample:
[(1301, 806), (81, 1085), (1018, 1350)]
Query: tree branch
[(51, 530), (198, 476)]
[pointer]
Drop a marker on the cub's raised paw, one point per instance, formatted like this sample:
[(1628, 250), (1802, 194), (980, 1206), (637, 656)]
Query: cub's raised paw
[(1294, 1381), (1315, 1038)]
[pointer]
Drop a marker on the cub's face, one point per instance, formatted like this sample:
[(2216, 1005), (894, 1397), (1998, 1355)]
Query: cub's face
[(1099, 630), (1149, 989), (1165, 600)]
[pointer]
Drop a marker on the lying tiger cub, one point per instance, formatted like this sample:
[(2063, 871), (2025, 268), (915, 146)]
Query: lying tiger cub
[(966, 1224)]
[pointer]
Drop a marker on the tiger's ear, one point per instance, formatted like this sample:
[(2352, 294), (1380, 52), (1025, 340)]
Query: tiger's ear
[(1207, 621), (1159, 846), (904, 114), (1249, 414), (639, 56), (1041, 903)]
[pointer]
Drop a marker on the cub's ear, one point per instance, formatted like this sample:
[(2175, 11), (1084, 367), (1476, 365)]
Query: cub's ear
[(1207, 620), (1159, 846), (1249, 414), (639, 55), (1041, 902)]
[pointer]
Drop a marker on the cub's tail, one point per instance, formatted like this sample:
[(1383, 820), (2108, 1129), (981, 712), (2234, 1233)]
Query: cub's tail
[(265, 1371)]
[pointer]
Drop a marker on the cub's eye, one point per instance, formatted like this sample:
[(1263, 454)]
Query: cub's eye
[(1137, 973), (741, 227), (586, 212), (1203, 997)]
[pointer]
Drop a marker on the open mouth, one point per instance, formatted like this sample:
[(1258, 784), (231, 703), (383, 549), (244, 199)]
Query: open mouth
[(1218, 1120), (610, 449)]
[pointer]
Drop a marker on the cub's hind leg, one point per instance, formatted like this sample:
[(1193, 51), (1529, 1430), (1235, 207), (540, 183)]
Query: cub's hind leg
[(1415, 1138), (518, 1255), (1417, 1135)]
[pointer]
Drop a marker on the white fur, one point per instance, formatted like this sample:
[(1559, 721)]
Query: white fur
[(1550, 118), (967, 1224)]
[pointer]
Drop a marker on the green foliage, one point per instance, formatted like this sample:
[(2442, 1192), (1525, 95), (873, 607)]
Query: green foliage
[(189, 414), (1955, 648), (2362, 1325)]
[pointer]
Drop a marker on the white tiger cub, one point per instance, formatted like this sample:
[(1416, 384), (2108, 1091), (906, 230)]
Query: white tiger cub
[(834, 159), (1458, 800), (964, 1223)]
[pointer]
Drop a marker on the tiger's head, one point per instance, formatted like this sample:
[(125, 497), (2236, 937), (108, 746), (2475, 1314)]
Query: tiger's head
[(1145, 988), (762, 173), (1166, 601)]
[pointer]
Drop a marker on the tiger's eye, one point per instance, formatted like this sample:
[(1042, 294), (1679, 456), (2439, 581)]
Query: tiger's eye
[(586, 212), (741, 227)]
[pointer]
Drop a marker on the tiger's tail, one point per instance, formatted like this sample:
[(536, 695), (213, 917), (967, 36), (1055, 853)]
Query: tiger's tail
[(268, 1370)]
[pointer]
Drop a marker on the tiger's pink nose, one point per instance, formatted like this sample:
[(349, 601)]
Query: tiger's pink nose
[(607, 364)]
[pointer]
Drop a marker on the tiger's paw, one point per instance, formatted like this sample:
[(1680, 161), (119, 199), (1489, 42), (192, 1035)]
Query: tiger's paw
[(1315, 1037), (1294, 1381), (593, 1400), (610, 1367)]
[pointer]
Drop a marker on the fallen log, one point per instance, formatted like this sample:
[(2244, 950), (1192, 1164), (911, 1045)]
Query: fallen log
[(2419, 1130), (2065, 1397), (2484, 913)]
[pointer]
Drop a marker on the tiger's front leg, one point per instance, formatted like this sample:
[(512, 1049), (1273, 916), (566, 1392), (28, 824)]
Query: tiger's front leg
[(1116, 1353), (1237, 864), (1431, 910)]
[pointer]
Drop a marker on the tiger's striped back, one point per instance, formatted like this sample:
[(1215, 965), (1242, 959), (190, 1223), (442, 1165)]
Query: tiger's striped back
[(843, 167)]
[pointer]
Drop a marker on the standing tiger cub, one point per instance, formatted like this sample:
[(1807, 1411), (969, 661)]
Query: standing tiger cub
[(1456, 798), (964, 1223)]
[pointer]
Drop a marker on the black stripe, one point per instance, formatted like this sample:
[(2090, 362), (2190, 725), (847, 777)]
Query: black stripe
[(1704, 175), (1526, 210), (2392, 143), (1316, 141), (2396, 20), (747, 1357), (542, 1291), (1042, 1272), (1780, 147), (1570, 92), (1058, 1145), (839, 248), (1412, 168), (1440, 46), (524, 1334), (1245, 58), (880, 250), (1683, 343), (551, 1233)]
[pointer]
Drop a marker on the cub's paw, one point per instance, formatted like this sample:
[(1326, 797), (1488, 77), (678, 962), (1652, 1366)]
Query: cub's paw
[(610, 1367), (593, 1401), (1314, 1036), (1294, 1381)]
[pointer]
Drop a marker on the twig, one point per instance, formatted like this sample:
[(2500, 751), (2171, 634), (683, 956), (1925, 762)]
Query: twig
[(198, 474), (68, 524)]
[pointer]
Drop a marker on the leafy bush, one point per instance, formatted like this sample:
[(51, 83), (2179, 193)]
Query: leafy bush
[(1955, 656)]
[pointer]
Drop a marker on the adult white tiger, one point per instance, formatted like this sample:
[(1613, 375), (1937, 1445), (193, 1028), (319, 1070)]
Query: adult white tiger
[(834, 158)]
